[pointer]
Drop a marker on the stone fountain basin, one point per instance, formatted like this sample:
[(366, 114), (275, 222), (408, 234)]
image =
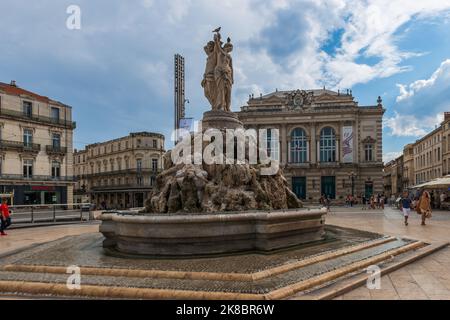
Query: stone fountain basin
[(185, 235)]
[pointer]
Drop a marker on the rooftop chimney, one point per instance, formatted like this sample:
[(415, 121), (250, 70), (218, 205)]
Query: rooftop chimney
[(446, 116), (13, 83)]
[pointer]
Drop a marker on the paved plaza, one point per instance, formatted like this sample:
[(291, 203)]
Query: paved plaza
[(428, 278)]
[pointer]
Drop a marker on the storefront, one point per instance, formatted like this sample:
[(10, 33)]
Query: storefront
[(27, 195)]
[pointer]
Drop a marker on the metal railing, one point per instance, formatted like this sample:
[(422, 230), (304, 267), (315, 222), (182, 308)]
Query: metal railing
[(51, 213), (36, 177), (123, 186), (126, 171), (38, 118), (18, 145), (55, 149)]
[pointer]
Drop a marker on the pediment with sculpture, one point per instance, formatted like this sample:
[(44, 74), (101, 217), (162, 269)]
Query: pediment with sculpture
[(299, 99), (369, 139)]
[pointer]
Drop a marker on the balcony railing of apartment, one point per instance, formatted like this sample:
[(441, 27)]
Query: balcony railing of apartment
[(38, 118), (21, 146), (126, 171), (36, 178), (55, 149), (122, 186)]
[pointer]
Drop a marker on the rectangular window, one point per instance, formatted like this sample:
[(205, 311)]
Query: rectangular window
[(272, 144), (27, 137), (56, 142), (155, 165), (139, 165), (56, 169), (368, 148), (27, 109), (155, 143), (54, 113), (27, 168)]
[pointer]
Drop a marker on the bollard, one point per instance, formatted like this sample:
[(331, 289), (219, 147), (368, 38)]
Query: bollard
[(32, 215), (54, 213)]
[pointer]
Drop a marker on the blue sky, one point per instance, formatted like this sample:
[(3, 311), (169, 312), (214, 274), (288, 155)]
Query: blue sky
[(117, 70)]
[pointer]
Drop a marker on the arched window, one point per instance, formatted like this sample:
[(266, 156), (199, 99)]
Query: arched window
[(327, 145), (299, 146)]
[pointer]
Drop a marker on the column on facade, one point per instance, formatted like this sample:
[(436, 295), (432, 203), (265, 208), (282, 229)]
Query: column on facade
[(338, 144), (313, 144), (283, 146), (356, 142)]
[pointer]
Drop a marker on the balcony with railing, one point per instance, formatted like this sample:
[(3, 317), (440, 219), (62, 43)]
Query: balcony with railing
[(142, 171), (121, 187), (20, 146), (37, 118), (40, 178), (51, 149)]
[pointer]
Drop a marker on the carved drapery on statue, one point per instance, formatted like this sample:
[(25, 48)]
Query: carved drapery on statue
[(218, 78)]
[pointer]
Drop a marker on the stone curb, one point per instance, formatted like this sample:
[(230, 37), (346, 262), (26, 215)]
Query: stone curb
[(332, 275), (51, 224), (422, 253)]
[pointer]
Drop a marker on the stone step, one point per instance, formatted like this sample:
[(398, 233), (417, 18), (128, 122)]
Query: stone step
[(348, 284)]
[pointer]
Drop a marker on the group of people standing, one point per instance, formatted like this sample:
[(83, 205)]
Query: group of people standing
[(5, 217), (421, 204), (373, 202)]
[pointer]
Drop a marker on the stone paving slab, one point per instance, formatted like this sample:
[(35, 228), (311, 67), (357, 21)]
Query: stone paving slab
[(428, 278)]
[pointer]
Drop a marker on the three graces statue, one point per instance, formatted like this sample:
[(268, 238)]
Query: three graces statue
[(218, 78)]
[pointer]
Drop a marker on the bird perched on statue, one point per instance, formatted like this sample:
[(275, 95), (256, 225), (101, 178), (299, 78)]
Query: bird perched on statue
[(218, 29), (228, 40)]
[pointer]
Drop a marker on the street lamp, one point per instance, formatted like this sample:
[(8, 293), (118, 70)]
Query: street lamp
[(352, 177)]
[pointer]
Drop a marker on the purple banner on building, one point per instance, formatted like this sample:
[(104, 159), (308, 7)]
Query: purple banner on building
[(347, 144)]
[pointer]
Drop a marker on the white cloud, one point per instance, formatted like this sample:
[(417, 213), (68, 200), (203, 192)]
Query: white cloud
[(389, 156), (407, 125), (441, 74)]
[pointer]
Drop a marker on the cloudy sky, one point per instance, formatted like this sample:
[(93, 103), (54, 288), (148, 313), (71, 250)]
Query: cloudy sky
[(117, 70)]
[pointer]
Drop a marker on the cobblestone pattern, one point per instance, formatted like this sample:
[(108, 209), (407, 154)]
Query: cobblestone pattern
[(257, 287), (86, 250)]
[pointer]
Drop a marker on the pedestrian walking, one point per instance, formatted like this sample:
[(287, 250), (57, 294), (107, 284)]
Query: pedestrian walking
[(424, 207), (405, 206), (5, 218), (364, 200), (443, 199)]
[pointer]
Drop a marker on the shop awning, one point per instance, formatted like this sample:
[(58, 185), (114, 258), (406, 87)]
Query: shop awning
[(440, 183)]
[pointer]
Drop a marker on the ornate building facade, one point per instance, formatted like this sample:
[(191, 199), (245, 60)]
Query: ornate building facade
[(328, 144), (428, 157), (394, 177), (446, 144), (36, 135), (119, 173)]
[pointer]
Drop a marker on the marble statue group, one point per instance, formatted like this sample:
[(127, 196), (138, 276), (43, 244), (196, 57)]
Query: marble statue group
[(218, 78)]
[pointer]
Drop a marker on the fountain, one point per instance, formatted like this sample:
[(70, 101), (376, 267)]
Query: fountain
[(199, 208)]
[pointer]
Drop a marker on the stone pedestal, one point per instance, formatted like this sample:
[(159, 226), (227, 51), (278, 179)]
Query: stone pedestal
[(219, 119)]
